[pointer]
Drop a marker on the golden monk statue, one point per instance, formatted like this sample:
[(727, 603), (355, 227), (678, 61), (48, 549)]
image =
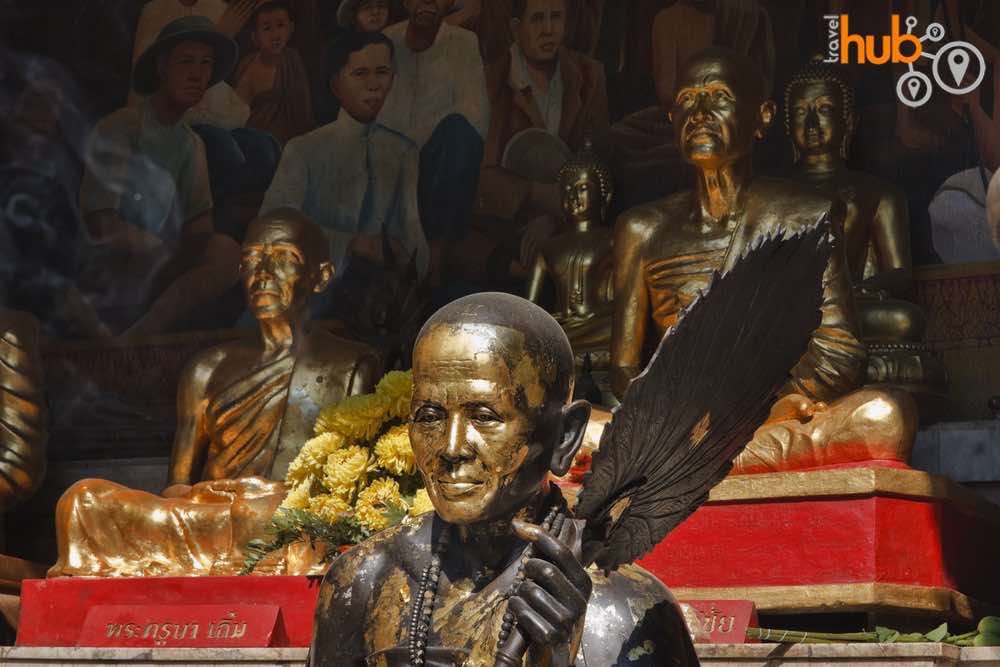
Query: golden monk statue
[(244, 410), (578, 262), (666, 251), (499, 561), (23, 423), (821, 121)]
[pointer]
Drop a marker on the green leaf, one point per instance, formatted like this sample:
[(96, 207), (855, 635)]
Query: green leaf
[(938, 633), (886, 635)]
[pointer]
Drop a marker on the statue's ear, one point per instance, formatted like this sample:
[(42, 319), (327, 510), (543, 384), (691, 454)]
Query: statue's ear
[(767, 111), (575, 417), (324, 274)]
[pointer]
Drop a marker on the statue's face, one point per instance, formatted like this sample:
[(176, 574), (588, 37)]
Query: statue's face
[(581, 197), (541, 31), (185, 72), (427, 13), (816, 117), (364, 82), (482, 431), (276, 273), (715, 115)]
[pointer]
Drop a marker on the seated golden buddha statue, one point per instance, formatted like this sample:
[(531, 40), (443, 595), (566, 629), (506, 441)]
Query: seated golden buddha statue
[(491, 420), (23, 421), (578, 262), (821, 121), (244, 410), (665, 253)]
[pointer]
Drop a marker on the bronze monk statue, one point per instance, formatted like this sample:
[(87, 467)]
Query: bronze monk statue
[(499, 570), (578, 262), (244, 410), (665, 252), (821, 121), (23, 420)]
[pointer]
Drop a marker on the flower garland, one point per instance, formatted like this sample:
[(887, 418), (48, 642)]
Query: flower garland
[(357, 476)]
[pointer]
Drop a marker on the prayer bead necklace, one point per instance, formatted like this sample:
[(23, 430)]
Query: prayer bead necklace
[(423, 604)]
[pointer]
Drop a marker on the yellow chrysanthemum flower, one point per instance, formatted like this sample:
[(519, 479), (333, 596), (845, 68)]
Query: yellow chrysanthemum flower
[(375, 501), (344, 468), (329, 507), (394, 453), (298, 497), (312, 457), (397, 388), (421, 503), (357, 418)]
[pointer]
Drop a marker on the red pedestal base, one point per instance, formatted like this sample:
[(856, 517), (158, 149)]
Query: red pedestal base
[(858, 539), (53, 611)]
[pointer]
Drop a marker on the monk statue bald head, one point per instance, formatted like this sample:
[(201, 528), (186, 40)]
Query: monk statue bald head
[(493, 375)]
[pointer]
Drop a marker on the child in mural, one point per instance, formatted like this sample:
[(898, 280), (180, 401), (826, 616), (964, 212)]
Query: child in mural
[(272, 80), (363, 15)]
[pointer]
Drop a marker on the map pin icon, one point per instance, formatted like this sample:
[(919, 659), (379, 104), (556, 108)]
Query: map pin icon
[(914, 86), (958, 63)]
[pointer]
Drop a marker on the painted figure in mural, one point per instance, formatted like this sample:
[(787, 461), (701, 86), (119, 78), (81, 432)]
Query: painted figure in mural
[(439, 101), (578, 262), (23, 421), (244, 409), (493, 376), (219, 105), (272, 79), (821, 121), (492, 24), (146, 197), (354, 177), (665, 253), (538, 83), (363, 15)]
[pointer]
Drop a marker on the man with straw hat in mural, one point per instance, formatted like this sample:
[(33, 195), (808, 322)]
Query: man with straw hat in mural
[(146, 196)]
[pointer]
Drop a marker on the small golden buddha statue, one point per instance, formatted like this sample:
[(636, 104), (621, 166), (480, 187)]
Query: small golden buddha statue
[(665, 253), (245, 408), (578, 262), (23, 420), (491, 419), (821, 121)]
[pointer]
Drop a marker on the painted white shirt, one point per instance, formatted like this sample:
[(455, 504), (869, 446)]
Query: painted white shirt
[(445, 79), (325, 174)]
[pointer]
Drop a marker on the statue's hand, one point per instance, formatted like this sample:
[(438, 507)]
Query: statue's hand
[(551, 603), (795, 406)]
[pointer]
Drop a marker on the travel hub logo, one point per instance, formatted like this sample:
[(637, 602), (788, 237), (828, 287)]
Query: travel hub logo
[(958, 67)]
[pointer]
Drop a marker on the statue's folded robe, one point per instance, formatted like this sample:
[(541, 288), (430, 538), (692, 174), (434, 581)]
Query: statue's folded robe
[(108, 530)]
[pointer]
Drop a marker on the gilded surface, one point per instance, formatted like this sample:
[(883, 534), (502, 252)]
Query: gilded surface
[(23, 416), (578, 262), (821, 123), (488, 429), (244, 409), (666, 251)]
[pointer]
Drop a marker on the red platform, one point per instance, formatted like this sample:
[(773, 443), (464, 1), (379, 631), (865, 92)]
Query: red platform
[(53, 611), (855, 539)]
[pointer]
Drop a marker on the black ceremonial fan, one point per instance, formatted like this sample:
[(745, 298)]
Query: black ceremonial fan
[(705, 391)]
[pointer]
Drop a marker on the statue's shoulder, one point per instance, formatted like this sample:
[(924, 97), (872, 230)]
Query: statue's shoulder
[(797, 205), (644, 219), (632, 619), (331, 349), (204, 364), (366, 565)]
